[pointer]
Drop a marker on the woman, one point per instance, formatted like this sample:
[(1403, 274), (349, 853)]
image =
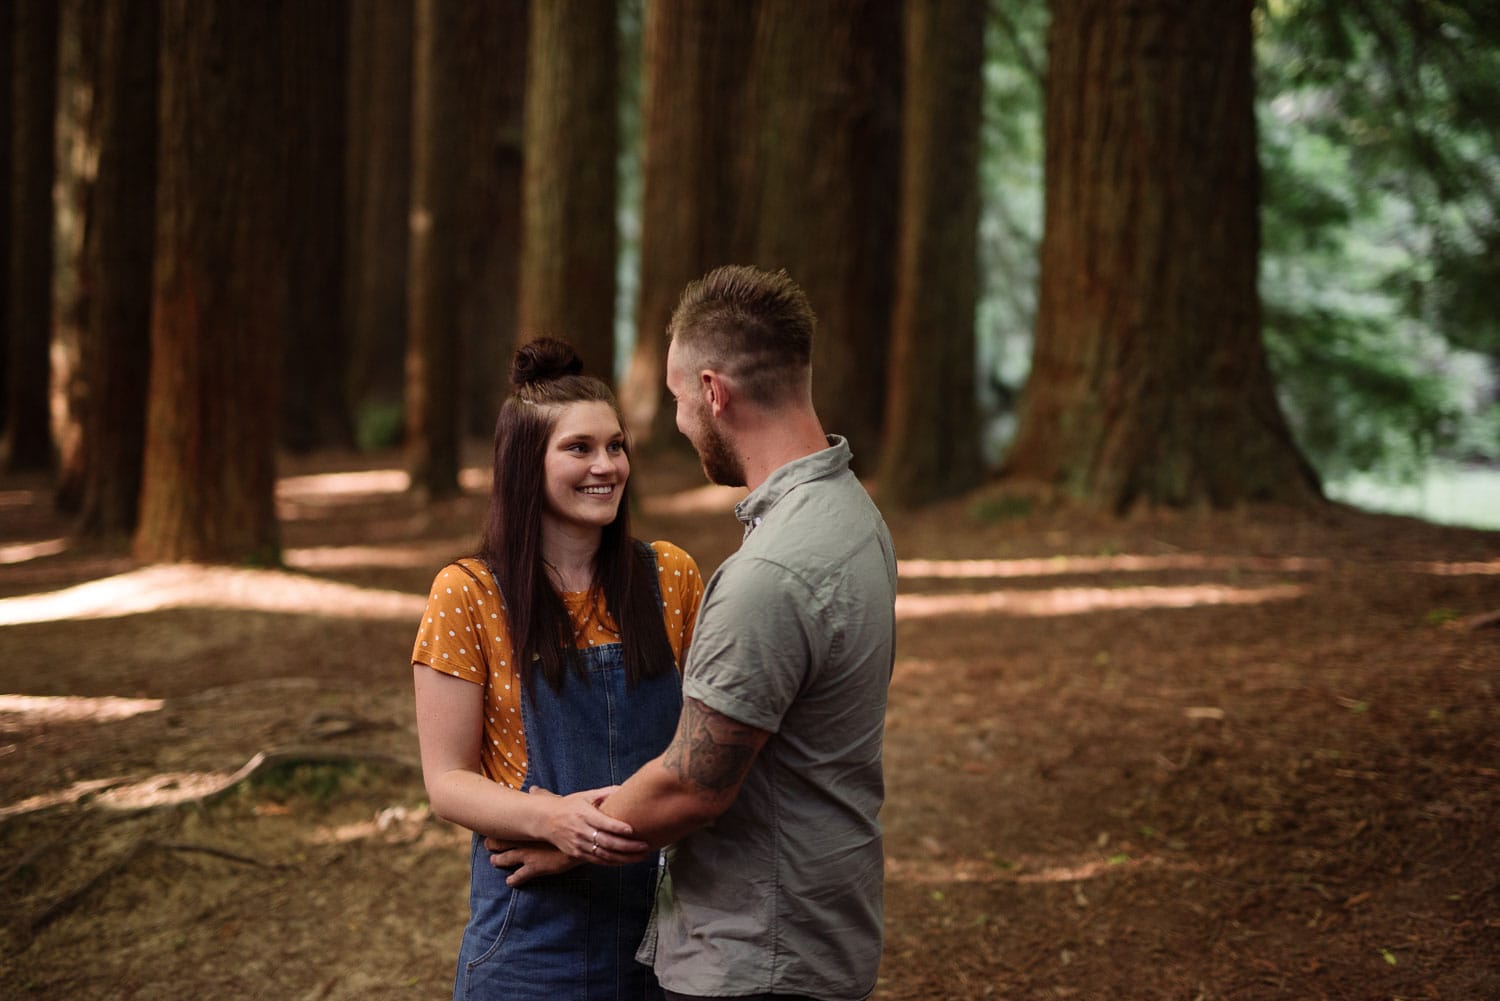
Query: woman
[(546, 671)]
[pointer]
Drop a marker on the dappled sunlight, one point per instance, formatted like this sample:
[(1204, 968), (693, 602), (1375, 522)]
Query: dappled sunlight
[(394, 825), (1058, 565), (967, 869), (1079, 600), (20, 552), (707, 499), (1455, 569), (342, 485), (18, 498), (428, 554), (22, 710), (191, 585), (339, 487)]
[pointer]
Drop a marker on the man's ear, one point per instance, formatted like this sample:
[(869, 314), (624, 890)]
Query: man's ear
[(715, 390)]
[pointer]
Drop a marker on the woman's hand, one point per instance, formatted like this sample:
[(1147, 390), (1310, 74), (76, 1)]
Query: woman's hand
[(581, 831)]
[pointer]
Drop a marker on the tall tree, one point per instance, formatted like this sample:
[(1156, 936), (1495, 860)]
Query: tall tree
[(378, 201), (819, 196), (315, 405), (495, 102), (569, 239), (115, 348), (932, 426), (696, 60), (29, 279), (219, 286), (1149, 380), (7, 86)]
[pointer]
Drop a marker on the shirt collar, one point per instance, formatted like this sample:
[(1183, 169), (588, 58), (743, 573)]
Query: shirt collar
[(826, 462)]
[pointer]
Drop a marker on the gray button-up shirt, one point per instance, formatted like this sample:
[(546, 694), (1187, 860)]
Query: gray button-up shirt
[(795, 636)]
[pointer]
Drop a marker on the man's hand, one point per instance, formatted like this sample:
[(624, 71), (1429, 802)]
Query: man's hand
[(530, 859)]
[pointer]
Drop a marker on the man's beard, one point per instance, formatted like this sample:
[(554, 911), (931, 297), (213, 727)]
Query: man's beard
[(719, 463)]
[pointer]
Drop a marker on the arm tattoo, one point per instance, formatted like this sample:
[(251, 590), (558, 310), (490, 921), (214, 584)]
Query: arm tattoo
[(711, 751)]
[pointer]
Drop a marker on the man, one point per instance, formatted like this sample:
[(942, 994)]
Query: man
[(770, 790)]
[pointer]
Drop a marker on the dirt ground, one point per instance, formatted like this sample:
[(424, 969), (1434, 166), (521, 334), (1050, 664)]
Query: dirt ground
[(1242, 755)]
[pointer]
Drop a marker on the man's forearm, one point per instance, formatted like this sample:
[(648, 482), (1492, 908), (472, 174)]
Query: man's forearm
[(659, 807), (692, 781)]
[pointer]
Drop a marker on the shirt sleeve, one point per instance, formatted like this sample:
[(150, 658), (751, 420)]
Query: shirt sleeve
[(758, 634), (462, 609), (681, 592)]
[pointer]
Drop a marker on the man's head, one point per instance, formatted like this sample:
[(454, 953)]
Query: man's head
[(745, 329), (753, 326)]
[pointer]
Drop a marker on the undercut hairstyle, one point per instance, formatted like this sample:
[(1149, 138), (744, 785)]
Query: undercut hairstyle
[(755, 326), (546, 375)]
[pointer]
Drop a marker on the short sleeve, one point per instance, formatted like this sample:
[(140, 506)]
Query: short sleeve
[(681, 593), (462, 609), (757, 636)]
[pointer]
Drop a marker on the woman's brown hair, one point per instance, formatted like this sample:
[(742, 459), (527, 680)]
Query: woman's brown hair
[(547, 374)]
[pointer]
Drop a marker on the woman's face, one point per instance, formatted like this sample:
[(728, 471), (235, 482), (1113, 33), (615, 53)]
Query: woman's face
[(585, 468)]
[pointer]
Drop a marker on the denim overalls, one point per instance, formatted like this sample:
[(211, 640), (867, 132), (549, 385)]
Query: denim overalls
[(573, 936)]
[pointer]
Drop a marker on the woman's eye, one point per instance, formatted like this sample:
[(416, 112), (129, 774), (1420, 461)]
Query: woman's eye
[(617, 446)]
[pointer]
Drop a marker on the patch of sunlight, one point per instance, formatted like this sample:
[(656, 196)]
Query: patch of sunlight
[(20, 552), (72, 794), (929, 871), (73, 708), (1057, 565), (428, 554), (1455, 569), (17, 498), (332, 485), (1076, 601), (707, 499), (191, 585), (393, 824), (365, 482)]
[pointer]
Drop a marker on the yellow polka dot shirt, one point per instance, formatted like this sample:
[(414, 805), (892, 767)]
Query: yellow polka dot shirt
[(464, 633)]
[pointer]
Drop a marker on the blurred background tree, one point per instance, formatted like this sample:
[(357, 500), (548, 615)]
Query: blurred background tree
[(568, 166)]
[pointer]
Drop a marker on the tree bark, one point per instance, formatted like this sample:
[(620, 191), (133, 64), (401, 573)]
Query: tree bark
[(432, 351), (29, 291), (219, 286), (696, 63), (932, 426), (116, 344), (569, 240), (494, 106), (1149, 381), (820, 190), (7, 88), (315, 405), (378, 203)]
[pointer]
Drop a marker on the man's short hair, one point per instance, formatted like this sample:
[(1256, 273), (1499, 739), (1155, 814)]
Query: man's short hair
[(753, 325)]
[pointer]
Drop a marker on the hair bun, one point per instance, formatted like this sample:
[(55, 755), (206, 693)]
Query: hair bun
[(543, 360)]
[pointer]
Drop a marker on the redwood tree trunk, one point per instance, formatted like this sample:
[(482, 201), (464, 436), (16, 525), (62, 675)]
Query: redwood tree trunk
[(1149, 381), (820, 192), (116, 343), (432, 353), (218, 288), (696, 60), (7, 87), (494, 105), (315, 406), (932, 427), (29, 290), (378, 202), (569, 240)]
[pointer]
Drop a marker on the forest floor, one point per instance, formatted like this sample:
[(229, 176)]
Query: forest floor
[(1240, 755)]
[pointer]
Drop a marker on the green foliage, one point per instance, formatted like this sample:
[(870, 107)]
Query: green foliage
[(320, 782), (379, 426), (1381, 184)]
